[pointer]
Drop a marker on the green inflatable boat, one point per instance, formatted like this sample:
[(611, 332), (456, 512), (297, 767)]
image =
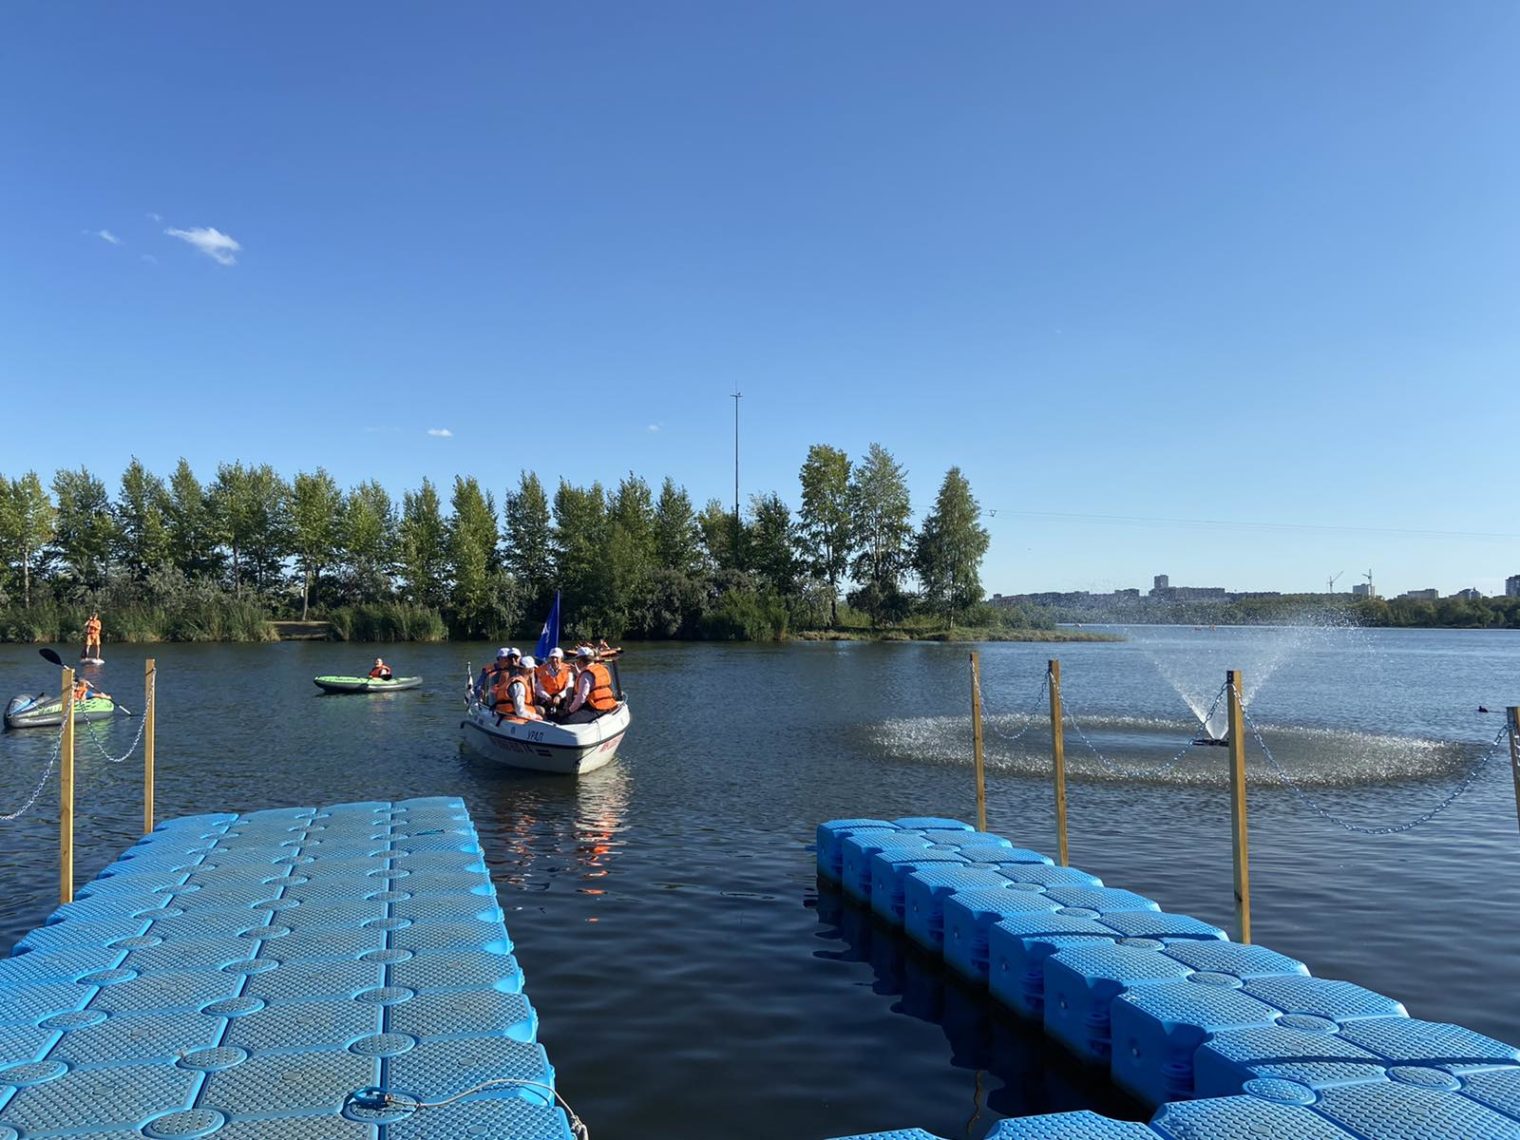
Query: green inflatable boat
[(44, 712), (365, 684)]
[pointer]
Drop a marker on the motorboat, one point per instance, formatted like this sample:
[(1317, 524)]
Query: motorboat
[(365, 684), (543, 745), (45, 710)]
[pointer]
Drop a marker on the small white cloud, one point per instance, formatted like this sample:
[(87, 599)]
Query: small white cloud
[(654, 427), (219, 247), (440, 433), (152, 217), (107, 235)]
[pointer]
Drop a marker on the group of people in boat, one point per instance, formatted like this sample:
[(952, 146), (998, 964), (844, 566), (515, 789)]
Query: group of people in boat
[(573, 692)]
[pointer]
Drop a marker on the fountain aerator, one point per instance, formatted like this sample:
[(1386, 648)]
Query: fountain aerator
[(1216, 741)]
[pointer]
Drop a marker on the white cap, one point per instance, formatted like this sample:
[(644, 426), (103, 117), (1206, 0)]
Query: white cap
[(503, 652), (514, 652), (556, 652), (583, 651), (528, 662)]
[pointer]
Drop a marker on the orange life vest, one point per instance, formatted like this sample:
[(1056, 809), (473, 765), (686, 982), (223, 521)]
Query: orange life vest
[(503, 692), (553, 682), (80, 689), (381, 672), (92, 629), (603, 697)]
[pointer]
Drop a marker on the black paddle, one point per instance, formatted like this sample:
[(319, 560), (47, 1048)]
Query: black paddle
[(51, 655)]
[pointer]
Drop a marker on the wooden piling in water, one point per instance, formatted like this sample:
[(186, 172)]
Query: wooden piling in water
[(1237, 738), (1513, 715), (976, 741), (1058, 758), (150, 711), (66, 793)]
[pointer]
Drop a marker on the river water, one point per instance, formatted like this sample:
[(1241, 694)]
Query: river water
[(691, 980)]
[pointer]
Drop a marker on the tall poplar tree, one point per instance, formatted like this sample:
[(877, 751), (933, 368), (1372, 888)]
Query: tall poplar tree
[(883, 534), (950, 548), (477, 586), (142, 528), (824, 522), (367, 542), (192, 535), (424, 561), (26, 526), (84, 531), (529, 533), (316, 504), (772, 552)]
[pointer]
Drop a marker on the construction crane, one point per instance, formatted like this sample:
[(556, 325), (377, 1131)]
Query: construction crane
[(1333, 578)]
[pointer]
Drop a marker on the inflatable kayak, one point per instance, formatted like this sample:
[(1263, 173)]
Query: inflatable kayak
[(40, 712), (365, 684)]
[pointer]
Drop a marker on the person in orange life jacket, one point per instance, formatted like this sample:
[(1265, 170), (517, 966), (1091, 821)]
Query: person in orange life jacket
[(594, 694), (514, 692), (92, 636), (551, 682), (489, 674), (83, 691), (381, 671)]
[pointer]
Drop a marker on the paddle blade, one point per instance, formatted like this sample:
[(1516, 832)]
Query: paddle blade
[(50, 655)]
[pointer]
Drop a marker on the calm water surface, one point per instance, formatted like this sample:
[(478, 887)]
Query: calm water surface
[(689, 977)]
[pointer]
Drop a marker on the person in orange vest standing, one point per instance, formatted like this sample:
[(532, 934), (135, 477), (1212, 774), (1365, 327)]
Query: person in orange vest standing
[(594, 692), (92, 637)]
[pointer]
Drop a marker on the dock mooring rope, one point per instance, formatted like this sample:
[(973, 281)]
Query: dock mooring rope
[(376, 1099)]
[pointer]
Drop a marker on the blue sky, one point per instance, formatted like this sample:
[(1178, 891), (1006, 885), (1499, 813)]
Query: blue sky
[(1253, 265)]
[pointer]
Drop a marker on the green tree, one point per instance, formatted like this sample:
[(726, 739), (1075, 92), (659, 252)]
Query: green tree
[(824, 522), (424, 543), (772, 549), (529, 534), (367, 542), (247, 507), (950, 548), (142, 529), (883, 535), (631, 559), (85, 530), (725, 548), (192, 538), (580, 545), (677, 538), (479, 589), (315, 506), (26, 526)]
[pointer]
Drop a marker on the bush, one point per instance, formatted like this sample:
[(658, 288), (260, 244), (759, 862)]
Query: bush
[(388, 621)]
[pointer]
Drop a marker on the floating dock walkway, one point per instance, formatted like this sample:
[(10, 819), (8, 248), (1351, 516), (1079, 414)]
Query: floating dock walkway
[(1226, 1040), (337, 973)]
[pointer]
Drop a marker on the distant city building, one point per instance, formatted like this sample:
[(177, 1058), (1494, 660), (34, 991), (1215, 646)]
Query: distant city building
[(1512, 586), (1161, 583), (1469, 595), (1127, 593), (1422, 595), (1363, 590)]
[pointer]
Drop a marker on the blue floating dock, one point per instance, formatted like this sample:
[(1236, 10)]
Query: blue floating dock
[(244, 977), (1223, 1039)]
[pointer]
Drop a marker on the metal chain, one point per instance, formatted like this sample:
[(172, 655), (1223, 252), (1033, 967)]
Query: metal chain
[(142, 723), (1014, 738), (1462, 786), (1148, 771), (47, 773)]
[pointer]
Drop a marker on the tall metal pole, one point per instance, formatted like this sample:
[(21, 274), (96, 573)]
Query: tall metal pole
[(66, 793), (976, 741), (1058, 759), (150, 730), (1237, 738)]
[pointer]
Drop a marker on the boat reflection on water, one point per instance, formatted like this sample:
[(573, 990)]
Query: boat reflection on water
[(1020, 1071), (535, 841)]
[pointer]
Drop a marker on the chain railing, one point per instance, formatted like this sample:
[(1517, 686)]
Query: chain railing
[(1034, 717), (1147, 771), (47, 774), (1462, 786), (94, 738)]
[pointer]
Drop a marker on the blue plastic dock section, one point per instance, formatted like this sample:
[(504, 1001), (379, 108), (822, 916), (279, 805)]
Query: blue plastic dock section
[(1226, 1040), (243, 976)]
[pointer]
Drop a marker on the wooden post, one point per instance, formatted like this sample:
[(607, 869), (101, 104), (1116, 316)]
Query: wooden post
[(1513, 713), (1058, 759), (1237, 738), (150, 724), (976, 741), (66, 793)]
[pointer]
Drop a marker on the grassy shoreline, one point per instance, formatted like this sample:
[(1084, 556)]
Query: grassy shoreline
[(969, 635)]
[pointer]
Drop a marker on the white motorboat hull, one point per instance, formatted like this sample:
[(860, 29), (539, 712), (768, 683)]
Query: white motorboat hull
[(543, 746)]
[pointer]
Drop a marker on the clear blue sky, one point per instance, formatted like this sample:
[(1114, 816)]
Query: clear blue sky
[(1196, 261)]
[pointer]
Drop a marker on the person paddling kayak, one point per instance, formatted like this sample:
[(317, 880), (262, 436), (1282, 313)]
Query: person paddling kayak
[(381, 671)]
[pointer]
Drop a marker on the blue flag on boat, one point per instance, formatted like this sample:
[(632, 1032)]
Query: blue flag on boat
[(549, 638)]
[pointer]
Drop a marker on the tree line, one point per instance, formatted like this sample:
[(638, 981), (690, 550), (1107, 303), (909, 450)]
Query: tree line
[(631, 562)]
